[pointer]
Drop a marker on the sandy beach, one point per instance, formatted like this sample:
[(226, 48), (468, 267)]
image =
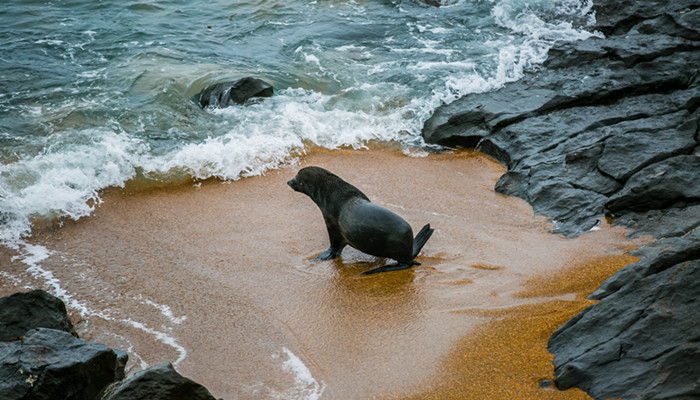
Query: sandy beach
[(217, 278)]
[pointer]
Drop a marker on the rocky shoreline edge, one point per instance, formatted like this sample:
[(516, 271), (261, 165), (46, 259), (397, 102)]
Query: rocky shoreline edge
[(608, 128)]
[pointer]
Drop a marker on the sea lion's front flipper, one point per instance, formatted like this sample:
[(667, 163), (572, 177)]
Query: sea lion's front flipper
[(392, 267), (327, 255)]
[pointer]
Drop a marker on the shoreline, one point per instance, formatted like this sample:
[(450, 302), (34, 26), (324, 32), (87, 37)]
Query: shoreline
[(175, 247)]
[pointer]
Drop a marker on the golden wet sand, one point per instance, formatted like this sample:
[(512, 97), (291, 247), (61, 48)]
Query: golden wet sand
[(507, 357), (217, 277)]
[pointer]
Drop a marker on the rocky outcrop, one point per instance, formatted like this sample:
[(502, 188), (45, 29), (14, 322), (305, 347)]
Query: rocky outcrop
[(21, 312), (51, 364), (642, 340), (580, 135), (160, 382), (41, 358), (235, 92), (645, 349), (609, 127)]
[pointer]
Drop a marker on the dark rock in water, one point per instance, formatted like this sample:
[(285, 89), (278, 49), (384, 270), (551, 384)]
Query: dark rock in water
[(21, 312), (234, 92), (46, 362), (160, 382), (610, 127), (54, 365)]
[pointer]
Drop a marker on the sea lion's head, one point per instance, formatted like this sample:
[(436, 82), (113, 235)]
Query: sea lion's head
[(309, 178), (324, 187)]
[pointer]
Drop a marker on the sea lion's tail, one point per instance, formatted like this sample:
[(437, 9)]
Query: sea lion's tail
[(421, 238)]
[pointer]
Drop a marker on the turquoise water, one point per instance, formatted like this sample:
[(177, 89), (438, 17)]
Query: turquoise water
[(96, 93)]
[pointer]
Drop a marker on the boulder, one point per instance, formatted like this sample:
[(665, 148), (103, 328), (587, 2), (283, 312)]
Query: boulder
[(641, 342), (234, 92), (49, 364), (159, 382), (21, 312)]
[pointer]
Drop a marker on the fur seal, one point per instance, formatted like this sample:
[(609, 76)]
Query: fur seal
[(351, 219)]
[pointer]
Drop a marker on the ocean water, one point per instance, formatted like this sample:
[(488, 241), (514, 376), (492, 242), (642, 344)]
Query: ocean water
[(94, 94)]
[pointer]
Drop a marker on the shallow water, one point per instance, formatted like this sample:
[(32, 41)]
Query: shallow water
[(216, 277)]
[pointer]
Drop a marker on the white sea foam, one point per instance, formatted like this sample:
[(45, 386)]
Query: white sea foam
[(63, 181), (305, 386), (160, 336), (165, 310), (266, 135), (14, 280), (54, 42)]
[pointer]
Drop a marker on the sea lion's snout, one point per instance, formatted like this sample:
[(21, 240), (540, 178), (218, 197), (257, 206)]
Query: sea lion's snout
[(293, 183)]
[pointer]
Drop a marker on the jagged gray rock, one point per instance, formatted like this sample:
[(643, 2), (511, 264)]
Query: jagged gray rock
[(48, 364), (662, 223), (648, 346), (159, 382), (21, 312), (659, 184), (656, 257)]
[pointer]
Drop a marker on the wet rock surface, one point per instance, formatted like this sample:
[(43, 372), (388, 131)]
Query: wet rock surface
[(225, 94), (21, 312), (41, 358), (159, 382), (609, 127), (52, 364), (589, 126)]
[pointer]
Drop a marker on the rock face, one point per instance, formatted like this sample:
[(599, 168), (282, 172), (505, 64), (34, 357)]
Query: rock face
[(643, 351), (55, 365), (610, 127), (641, 341), (582, 135), (235, 92), (21, 312), (41, 358), (160, 382)]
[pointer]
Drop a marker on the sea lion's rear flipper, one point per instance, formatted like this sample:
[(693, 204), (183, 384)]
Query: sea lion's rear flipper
[(392, 267), (418, 243), (421, 238)]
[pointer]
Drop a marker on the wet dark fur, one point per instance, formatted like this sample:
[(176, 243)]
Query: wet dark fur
[(351, 219)]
